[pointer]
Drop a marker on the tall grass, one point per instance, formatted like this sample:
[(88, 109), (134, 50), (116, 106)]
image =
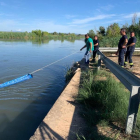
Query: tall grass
[(104, 99), (100, 90), (32, 35)]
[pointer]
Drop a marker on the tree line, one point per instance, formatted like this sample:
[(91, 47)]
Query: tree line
[(38, 34), (109, 37)]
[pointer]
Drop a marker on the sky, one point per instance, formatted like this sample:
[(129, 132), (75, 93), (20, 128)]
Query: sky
[(74, 16)]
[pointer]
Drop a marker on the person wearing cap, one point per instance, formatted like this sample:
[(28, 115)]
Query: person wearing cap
[(130, 49), (89, 47), (122, 47)]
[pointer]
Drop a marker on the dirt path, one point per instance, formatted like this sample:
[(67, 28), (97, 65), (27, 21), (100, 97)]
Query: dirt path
[(136, 61)]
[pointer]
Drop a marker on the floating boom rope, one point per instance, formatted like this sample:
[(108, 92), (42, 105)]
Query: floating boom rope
[(17, 80), (30, 75)]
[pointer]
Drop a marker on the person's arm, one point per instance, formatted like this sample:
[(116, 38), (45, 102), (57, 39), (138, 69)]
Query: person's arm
[(90, 47), (96, 44), (132, 44), (125, 42), (83, 48)]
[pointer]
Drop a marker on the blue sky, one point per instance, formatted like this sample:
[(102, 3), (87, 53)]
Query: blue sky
[(74, 16)]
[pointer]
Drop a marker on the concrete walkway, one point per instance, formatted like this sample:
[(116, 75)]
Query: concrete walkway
[(63, 120)]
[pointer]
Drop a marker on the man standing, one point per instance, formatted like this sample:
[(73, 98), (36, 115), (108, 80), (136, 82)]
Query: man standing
[(122, 47), (130, 49), (96, 46), (89, 46)]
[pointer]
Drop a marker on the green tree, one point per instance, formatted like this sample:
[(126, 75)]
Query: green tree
[(113, 30), (45, 34), (37, 32), (102, 30), (91, 34)]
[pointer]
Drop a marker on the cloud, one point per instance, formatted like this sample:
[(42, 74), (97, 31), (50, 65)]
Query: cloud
[(70, 16), (18, 30), (131, 15), (107, 8), (114, 21), (86, 20)]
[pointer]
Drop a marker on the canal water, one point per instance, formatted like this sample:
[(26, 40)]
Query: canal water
[(23, 106)]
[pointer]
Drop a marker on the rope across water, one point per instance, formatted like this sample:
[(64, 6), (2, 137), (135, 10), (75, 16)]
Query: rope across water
[(52, 63), (30, 75)]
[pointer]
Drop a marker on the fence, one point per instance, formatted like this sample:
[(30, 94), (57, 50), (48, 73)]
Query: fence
[(108, 49), (131, 82)]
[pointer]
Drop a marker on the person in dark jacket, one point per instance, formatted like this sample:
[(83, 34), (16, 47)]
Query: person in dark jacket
[(96, 46), (130, 49), (122, 47)]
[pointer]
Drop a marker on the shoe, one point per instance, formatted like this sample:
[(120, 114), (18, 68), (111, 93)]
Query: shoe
[(87, 62), (125, 65), (131, 66)]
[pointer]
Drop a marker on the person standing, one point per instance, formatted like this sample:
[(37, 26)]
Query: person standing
[(122, 47), (89, 46), (130, 49), (96, 46)]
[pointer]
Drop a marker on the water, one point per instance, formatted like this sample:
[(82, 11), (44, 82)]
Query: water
[(23, 106)]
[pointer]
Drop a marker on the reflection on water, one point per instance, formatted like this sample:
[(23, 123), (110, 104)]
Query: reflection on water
[(39, 41), (24, 105)]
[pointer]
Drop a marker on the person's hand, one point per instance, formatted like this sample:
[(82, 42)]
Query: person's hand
[(123, 47), (116, 53), (90, 51), (80, 49)]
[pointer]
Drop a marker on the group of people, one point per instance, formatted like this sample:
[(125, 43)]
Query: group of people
[(125, 48), (92, 46)]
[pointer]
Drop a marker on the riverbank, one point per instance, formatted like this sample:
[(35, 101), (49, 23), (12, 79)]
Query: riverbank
[(94, 111), (63, 121)]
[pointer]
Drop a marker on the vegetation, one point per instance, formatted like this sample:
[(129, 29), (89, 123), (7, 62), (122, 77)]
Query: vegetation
[(103, 106), (110, 37), (38, 34)]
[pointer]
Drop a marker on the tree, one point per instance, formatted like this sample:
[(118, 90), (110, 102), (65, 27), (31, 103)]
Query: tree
[(102, 30), (91, 34), (37, 32), (44, 34), (134, 19), (113, 30), (54, 33)]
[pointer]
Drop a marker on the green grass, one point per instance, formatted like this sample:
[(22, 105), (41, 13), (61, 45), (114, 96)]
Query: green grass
[(105, 100), (32, 35), (69, 74)]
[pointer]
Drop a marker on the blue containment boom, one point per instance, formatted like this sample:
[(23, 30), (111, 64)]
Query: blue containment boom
[(17, 80)]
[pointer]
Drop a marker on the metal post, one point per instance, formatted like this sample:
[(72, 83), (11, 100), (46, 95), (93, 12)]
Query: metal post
[(132, 109), (99, 61)]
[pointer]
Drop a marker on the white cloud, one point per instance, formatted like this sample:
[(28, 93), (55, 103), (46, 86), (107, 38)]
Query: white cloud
[(107, 8), (131, 15), (18, 30), (70, 16), (114, 21), (86, 20)]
